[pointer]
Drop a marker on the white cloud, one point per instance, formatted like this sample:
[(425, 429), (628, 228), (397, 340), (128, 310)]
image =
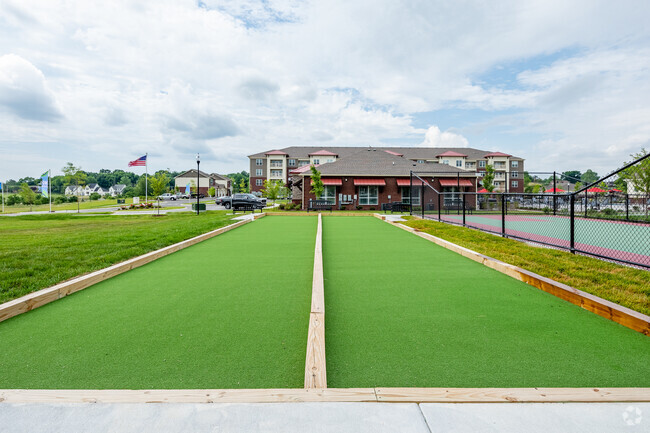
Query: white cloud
[(435, 138), (23, 90)]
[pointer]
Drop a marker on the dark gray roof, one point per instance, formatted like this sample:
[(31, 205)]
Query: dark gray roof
[(408, 152), (118, 187), (377, 162)]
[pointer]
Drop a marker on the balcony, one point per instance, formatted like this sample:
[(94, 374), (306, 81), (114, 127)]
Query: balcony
[(499, 165), (276, 164)]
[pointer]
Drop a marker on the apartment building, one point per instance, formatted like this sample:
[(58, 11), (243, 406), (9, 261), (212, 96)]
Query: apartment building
[(278, 164)]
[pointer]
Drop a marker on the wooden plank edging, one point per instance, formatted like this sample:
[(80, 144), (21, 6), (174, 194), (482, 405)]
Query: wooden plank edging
[(379, 395), (625, 316), (45, 296), (315, 368)]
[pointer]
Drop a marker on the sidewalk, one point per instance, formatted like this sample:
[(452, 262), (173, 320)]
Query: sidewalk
[(326, 417)]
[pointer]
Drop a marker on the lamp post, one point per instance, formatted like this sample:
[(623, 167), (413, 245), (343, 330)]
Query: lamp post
[(198, 162)]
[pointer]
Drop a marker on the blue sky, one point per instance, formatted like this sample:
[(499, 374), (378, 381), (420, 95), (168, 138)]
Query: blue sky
[(565, 85)]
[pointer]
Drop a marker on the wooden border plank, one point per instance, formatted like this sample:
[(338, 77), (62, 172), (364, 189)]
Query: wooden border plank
[(512, 395), (39, 298), (625, 316), (188, 395), (381, 395), (315, 367)]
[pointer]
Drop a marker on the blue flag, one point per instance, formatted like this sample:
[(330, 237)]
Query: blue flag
[(45, 184), (187, 188)]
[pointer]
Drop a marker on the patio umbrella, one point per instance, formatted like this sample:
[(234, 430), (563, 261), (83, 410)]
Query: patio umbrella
[(482, 191), (615, 190), (555, 190), (596, 189)]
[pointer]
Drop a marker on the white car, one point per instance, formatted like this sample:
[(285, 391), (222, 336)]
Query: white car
[(167, 196)]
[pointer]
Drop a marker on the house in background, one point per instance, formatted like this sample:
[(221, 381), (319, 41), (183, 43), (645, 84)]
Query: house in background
[(281, 163), (372, 177), (93, 188), (72, 190), (116, 190), (221, 184)]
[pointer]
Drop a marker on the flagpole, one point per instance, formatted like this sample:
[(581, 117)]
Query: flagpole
[(2, 193), (146, 187), (49, 186)]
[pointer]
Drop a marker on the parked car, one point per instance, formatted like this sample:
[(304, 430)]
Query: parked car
[(193, 195), (238, 200), (167, 196)]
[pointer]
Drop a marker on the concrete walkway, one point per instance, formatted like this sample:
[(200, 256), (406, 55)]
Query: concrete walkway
[(326, 417)]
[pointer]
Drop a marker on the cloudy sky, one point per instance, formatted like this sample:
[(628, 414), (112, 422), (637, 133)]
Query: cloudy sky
[(564, 84)]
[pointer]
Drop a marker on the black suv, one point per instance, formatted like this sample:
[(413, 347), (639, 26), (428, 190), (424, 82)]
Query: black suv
[(237, 201)]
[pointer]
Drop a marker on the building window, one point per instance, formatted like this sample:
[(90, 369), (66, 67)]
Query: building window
[(406, 197), (259, 162), (459, 163), (258, 172), (420, 161), (329, 194), (276, 173), (515, 183), (316, 161), (292, 163), (497, 183), (445, 161), (276, 163), (330, 160), (259, 182), (368, 195), (514, 164), (481, 164), (303, 163), (514, 174)]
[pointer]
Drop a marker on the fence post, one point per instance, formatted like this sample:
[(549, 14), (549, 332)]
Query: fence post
[(503, 215), (422, 200), (586, 202), (554, 194), (439, 195), (411, 193), (627, 206), (462, 195), (572, 225)]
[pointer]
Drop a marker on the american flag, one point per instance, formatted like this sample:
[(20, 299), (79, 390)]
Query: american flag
[(142, 161)]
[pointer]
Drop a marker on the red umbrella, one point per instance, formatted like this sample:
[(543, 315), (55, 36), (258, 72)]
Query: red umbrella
[(596, 189), (615, 190), (482, 191), (555, 190)]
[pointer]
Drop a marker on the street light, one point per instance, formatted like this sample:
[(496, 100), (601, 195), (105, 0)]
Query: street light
[(198, 161)]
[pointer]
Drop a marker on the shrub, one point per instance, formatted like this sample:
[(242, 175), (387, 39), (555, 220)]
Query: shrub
[(60, 200), (211, 191), (359, 208), (108, 196), (72, 199), (13, 199), (372, 208), (609, 211), (546, 210), (95, 196), (282, 206), (342, 207)]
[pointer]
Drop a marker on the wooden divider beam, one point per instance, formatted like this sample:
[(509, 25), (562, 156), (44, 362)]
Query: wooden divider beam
[(384, 395), (315, 371), (512, 395), (629, 318), (37, 299)]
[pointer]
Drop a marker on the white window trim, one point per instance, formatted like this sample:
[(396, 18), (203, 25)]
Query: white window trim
[(259, 172), (259, 162), (369, 199), (327, 189), (259, 182)]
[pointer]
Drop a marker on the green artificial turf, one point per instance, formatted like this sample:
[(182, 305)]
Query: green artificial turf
[(229, 312), (404, 312)]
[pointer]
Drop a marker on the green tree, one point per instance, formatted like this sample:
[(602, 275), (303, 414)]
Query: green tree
[(159, 184), (272, 189), (211, 191), (74, 176), (27, 195), (638, 175), (488, 179), (142, 187), (589, 176), (317, 187), (242, 186), (572, 176)]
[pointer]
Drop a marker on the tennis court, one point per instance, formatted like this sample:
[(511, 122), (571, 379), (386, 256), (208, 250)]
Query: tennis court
[(616, 239)]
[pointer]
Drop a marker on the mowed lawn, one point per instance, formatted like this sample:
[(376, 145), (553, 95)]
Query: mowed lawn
[(404, 312), (229, 312), (42, 250)]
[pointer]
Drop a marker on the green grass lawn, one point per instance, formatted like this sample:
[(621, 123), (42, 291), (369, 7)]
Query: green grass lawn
[(38, 251), (402, 311), (86, 204), (620, 284), (229, 312)]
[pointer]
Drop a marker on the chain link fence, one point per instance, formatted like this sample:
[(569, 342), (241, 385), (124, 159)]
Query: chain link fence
[(608, 218)]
